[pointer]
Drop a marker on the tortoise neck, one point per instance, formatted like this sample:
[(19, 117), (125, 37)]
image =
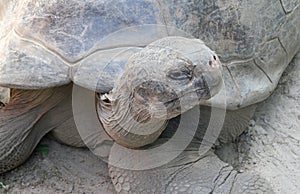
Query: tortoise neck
[(127, 121)]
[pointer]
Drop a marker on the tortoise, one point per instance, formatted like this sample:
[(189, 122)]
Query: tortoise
[(147, 58)]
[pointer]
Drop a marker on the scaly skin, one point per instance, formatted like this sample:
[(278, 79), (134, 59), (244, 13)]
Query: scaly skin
[(28, 116)]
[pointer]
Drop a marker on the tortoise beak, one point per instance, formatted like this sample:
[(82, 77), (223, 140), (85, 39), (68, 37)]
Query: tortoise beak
[(209, 79), (213, 83)]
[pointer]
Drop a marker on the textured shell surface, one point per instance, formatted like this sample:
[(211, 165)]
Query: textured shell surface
[(49, 43)]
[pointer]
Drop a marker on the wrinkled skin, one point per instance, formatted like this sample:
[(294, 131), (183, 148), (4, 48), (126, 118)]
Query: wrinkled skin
[(134, 113), (61, 41)]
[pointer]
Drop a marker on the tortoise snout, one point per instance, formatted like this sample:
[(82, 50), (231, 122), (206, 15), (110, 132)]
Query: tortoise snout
[(213, 81), (209, 76)]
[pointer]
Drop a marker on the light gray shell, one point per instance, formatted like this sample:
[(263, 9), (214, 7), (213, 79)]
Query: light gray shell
[(50, 43)]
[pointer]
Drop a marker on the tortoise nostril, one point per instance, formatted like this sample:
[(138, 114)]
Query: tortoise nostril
[(210, 63), (215, 58)]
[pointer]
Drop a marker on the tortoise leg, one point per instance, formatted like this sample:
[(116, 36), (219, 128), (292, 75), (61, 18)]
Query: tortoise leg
[(66, 132), (27, 117), (190, 172), (236, 122)]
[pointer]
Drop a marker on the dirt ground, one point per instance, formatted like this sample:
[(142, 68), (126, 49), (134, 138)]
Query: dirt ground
[(271, 147), (63, 169)]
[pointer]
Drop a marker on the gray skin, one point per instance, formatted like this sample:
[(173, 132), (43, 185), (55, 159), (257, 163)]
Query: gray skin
[(48, 46), (176, 79)]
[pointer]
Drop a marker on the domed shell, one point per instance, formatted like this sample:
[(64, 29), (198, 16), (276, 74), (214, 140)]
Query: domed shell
[(44, 41), (50, 43)]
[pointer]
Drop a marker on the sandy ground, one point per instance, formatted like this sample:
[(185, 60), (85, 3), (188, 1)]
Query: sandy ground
[(270, 147), (63, 170)]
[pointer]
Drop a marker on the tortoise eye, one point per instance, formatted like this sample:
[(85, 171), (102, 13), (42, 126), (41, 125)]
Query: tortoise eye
[(179, 74)]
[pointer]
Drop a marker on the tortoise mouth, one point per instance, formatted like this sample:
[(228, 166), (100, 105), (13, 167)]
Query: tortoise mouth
[(185, 102), (203, 89), (200, 88), (199, 93)]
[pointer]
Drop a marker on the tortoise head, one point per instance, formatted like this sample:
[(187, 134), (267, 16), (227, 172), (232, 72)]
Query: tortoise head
[(172, 75), (165, 79)]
